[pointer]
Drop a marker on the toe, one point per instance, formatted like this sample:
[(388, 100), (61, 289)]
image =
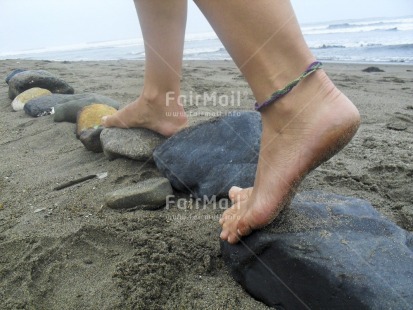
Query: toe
[(113, 121), (243, 228), (233, 191), (238, 194), (104, 121), (108, 121), (232, 239), (224, 235)]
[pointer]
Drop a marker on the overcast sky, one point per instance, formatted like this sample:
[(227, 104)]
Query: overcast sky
[(31, 24)]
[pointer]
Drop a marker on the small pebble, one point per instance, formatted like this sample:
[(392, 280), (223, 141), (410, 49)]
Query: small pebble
[(397, 126)]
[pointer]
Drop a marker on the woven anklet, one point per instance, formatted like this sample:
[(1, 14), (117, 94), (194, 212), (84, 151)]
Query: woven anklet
[(281, 92)]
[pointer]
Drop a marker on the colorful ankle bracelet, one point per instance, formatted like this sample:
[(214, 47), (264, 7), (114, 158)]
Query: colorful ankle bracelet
[(281, 92)]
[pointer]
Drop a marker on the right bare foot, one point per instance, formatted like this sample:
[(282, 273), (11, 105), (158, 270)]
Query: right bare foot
[(152, 113), (300, 132)]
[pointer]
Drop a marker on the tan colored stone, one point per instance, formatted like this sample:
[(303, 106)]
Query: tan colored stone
[(91, 115), (32, 93)]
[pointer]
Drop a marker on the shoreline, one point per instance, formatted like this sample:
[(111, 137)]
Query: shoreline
[(344, 62), (75, 252)]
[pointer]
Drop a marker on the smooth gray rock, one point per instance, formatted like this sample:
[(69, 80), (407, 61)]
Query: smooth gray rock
[(90, 138), (326, 252), (13, 73), (146, 195), (137, 143), (37, 78), (67, 112), (71, 104), (209, 158), (44, 105)]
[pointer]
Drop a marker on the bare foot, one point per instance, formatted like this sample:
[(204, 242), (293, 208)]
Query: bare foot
[(300, 131), (154, 114)]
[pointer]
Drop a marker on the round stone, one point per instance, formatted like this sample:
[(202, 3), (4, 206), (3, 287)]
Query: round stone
[(91, 115), (32, 93)]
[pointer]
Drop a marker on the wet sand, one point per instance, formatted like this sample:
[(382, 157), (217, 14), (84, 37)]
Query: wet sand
[(65, 250)]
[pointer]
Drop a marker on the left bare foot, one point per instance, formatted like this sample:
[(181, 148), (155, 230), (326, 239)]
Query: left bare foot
[(300, 131), (155, 113)]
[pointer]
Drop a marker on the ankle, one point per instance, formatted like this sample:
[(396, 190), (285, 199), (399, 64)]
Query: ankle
[(154, 96), (315, 89)]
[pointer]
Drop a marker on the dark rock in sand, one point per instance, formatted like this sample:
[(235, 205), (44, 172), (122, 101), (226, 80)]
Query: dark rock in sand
[(137, 143), (91, 139), (326, 252), (13, 73), (37, 78), (397, 126), (67, 112), (209, 158), (372, 69), (45, 105), (146, 195)]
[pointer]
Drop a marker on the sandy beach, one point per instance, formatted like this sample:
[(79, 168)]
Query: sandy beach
[(65, 250)]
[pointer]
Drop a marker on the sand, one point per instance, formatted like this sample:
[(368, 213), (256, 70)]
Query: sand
[(66, 250)]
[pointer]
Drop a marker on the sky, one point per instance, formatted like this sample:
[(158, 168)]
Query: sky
[(36, 24)]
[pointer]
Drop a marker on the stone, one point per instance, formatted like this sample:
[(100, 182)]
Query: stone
[(91, 115), (67, 112), (37, 78), (13, 73), (136, 143), (46, 105), (32, 93), (398, 126), (372, 69), (149, 194), (326, 251), (209, 158), (91, 139)]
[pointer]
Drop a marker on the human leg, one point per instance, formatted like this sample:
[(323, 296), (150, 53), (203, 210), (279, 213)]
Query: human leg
[(302, 129), (163, 28)]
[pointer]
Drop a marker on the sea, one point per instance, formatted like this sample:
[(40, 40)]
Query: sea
[(373, 40)]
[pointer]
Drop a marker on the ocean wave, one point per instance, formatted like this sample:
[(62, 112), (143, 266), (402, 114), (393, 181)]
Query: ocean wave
[(350, 25), (203, 36), (386, 40), (77, 47), (324, 46), (401, 24)]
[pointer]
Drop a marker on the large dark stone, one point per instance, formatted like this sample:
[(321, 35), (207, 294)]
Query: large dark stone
[(209, 158), (37, 78), (13, 73), (67, 112), (71, 104), (326, 252)]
